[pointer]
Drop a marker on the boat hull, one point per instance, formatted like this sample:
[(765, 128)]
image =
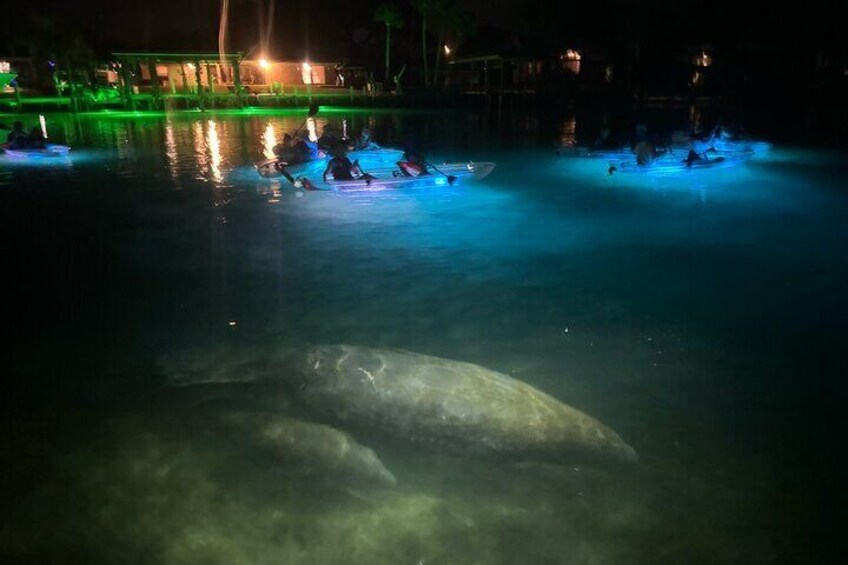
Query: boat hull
[(378, 158), (390, 178), (51, 151), (673, 165)]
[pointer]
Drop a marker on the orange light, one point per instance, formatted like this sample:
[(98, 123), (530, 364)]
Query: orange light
[(263, 62)]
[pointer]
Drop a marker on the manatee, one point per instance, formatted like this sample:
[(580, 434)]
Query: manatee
[(414, 397), (461, 405), (315, 447)]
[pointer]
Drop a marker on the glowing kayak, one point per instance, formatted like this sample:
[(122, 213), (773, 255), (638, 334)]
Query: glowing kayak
[(728, 147), (391, 178), (372, 159), (746, 148), (671, 164), (48, 152)]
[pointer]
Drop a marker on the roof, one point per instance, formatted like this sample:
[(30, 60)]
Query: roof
[(177, 57), (503, 45)]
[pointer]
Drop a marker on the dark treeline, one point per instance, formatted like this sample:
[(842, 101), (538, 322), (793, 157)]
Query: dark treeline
[(342, 30), (764, 54)]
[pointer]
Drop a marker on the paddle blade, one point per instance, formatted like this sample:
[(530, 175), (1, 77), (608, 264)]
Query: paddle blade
[(307, 184), (451, 179)]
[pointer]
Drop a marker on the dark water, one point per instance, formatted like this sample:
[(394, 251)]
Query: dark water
[(701, 316)]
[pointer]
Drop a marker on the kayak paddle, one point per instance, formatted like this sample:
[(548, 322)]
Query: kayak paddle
[(451, 178), (313, 109)]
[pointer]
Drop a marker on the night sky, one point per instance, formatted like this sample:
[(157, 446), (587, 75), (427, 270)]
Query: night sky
[(339, 29)]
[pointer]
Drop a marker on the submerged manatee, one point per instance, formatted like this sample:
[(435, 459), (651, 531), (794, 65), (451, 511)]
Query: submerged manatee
[(428, 399), (316, 447)]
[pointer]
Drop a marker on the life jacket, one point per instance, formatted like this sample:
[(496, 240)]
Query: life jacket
[(412, 169)]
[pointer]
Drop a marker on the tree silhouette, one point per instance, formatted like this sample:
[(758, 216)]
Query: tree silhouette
[(389, 15), (426, 9)]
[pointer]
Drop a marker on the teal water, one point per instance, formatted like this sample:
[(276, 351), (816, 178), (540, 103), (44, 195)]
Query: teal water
[(702, 316)]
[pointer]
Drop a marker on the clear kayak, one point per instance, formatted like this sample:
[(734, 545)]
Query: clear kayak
[(672, 164), (727, 148), (730, 147), (49, 151), (724, 147), (386, 178), (371, 159)]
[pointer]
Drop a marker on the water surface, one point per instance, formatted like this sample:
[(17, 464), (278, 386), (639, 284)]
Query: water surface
[(702, 316)]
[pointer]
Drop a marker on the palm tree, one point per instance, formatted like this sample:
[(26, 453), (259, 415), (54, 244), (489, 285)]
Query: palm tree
[(447, 19), (425, 8), (65, 48), (388, 14)]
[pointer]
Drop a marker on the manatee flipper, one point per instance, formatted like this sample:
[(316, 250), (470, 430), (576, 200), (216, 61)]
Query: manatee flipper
[(316, 447)]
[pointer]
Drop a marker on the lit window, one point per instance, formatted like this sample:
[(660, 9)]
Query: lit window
[(571, 61)]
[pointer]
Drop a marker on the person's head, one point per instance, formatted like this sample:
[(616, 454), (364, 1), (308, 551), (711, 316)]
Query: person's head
[(17, 126), (605, 132), (339, 152), (35, 132), (366, 133)]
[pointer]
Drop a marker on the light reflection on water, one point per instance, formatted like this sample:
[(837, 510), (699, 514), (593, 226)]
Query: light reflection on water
[(673, 308), (269, 141), (171, 149), (214, 146)]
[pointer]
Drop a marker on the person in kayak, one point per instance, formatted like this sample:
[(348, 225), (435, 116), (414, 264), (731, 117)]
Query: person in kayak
[(692, 157), (695, 157), (285, 153), (36, 139), (330, 139), (290, 152), (701, 142), (413, 164), (284, 150), (604, 140), (645, 152), (17, 138), (305, 149), (364, 141), (342, 169)]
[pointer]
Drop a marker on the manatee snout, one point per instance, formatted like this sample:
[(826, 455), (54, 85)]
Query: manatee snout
[(222, 364)]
